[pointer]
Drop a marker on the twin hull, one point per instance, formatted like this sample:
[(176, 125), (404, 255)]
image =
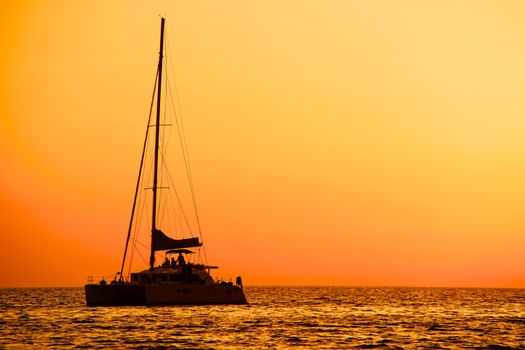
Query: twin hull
[(162, 294)]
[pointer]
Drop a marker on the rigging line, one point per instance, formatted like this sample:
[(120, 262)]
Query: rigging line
[(179, 109), (131, 257), (177, 101), (180, 223), (183, 144), (142, 257), (142, 244), (178, 116), (166, 136), (182, 138), (169, 218), (145, 178), (185, 155), (180, 131), (163, 200), (134, 235), (135, 240), (164, 166), (138, 226), (149, 170), (179, 201), (138, 220), (138, 179), (142, 199), (138, 250), (164, 146)]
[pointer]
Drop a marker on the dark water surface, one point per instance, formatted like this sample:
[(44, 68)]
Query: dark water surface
[(277, 317)]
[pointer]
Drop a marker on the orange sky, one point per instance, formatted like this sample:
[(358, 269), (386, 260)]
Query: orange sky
[(332, 142)]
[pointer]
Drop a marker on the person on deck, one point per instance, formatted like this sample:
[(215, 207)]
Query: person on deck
[(181, 260), (238, 281), (173, 262)]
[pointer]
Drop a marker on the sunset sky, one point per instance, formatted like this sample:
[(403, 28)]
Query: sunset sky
[(332, 142)]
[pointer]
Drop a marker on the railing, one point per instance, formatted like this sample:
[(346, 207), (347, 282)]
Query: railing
[(95, 279), (107, 279)]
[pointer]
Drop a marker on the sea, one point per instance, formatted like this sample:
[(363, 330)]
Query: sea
[(275, 318)]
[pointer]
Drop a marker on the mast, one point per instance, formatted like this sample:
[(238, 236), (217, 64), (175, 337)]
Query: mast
[(156, 165)]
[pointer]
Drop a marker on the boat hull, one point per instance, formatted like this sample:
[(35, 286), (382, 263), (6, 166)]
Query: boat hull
[(115, 294), (162, 294)]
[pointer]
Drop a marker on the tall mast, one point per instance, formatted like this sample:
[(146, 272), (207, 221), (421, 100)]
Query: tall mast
[(156, 165)]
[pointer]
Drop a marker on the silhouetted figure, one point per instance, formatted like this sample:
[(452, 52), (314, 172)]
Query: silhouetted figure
[(238, 281), (181, 260), (173, 262), (166, 262)]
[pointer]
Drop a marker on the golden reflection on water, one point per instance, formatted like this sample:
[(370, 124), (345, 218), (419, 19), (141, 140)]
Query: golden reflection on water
[(276, 317)]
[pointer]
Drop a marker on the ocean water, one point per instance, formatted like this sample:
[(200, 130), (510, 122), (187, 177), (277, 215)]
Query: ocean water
[(276, 318)]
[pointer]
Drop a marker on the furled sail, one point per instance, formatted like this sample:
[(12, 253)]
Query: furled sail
[(162, 242)]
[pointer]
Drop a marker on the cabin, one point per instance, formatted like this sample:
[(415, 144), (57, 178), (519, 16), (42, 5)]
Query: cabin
[(183, 274), (179, 272)]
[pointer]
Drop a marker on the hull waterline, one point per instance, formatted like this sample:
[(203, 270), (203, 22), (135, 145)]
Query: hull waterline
[(162, 294)]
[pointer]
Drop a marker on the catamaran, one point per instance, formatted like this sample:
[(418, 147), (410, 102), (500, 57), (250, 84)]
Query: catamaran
[(178, 279)]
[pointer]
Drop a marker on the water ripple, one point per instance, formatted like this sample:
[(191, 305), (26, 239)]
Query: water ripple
[(277, 317)]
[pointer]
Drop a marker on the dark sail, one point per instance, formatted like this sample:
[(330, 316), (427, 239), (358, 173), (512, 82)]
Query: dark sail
[(160, 241)]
